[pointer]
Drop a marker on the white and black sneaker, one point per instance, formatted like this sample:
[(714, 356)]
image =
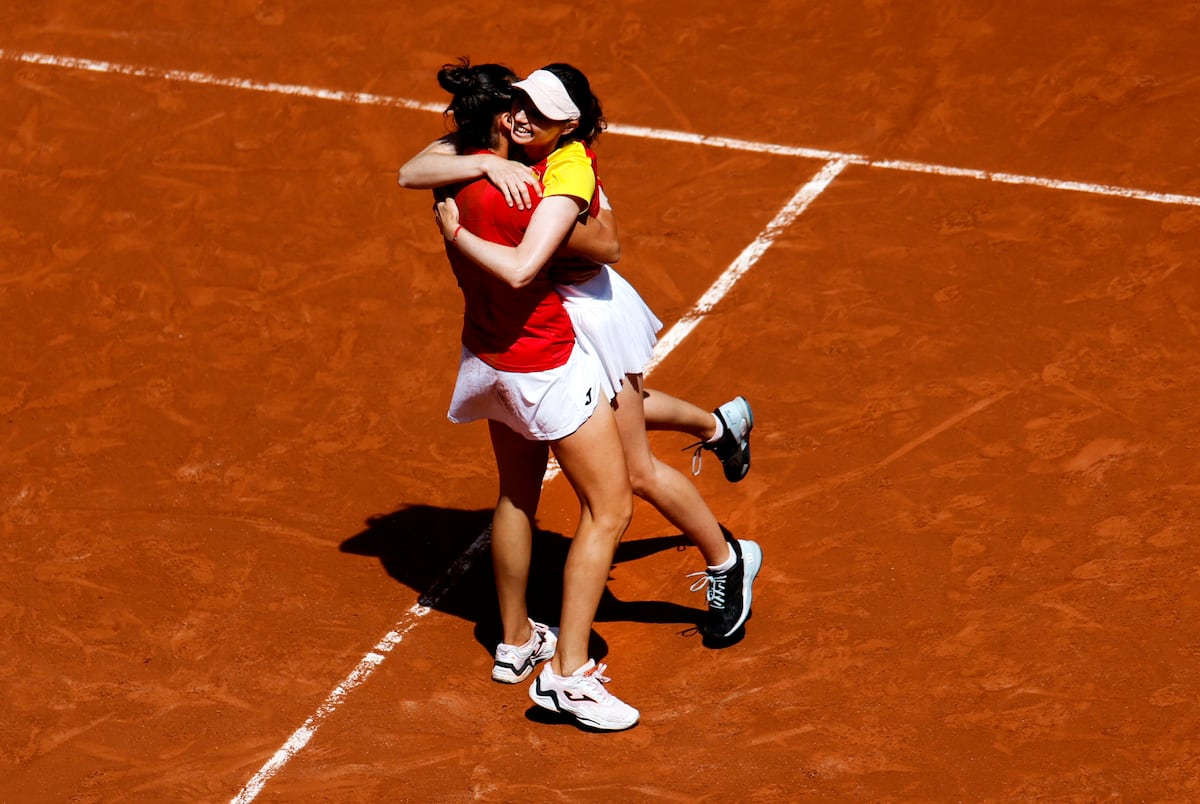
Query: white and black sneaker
[(514, 663), (583, 696), (730, 593), (733, 447)]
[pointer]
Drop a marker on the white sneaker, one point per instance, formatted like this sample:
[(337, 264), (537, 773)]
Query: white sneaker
[(514, 663), (582, 695)]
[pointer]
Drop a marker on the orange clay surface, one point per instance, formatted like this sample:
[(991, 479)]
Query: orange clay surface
[(229, 340)]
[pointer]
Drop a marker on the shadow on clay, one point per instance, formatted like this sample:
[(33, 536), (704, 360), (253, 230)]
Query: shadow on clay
[(438, 553)]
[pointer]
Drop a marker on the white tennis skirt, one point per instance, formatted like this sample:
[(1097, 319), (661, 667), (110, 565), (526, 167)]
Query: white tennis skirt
[(612, 323), (539, 405)]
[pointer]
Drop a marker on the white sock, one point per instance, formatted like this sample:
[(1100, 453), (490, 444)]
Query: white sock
[(720, 430), (729, 562)]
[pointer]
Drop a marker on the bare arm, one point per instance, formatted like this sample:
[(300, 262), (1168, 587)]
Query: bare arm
[(595, 239), (440, 164), (594, 242), (516, 265)]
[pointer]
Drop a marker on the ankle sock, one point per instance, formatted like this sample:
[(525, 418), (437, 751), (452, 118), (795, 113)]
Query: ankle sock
[(728, 564), (719, 432)]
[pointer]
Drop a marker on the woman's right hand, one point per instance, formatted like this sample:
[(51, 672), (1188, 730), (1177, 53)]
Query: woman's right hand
[(513, 180)]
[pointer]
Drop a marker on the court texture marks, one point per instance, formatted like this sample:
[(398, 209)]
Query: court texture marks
[(248, 556)]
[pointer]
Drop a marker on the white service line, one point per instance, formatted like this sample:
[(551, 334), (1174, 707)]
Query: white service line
[(663, 135), (746, 260), (300, 737), (363, 670)]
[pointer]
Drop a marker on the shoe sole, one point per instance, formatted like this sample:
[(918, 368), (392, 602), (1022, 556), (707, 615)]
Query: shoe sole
[(506, 676), (549, 701), (749, 415)]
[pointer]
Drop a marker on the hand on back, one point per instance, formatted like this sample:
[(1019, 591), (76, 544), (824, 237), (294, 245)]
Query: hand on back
[(517, 181)]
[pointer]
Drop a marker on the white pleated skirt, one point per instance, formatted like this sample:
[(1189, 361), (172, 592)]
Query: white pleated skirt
[(613, 324)]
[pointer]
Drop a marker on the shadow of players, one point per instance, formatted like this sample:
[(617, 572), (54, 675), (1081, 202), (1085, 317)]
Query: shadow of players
[(443, 554)]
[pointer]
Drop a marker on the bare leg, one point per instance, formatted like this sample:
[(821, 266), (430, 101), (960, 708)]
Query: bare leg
[(521, 465), (665, 412), (593, 461), (663, 486)]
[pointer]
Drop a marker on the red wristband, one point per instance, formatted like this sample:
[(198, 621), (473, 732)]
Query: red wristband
[(454, 239)]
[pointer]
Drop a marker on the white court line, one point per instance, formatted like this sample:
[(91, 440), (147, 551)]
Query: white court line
[(664, 135), (907, 167), (750, 255), (835, 163), (363, 670), (191, 77)]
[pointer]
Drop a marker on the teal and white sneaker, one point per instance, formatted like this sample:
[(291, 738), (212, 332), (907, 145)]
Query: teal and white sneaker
[(730, 593)]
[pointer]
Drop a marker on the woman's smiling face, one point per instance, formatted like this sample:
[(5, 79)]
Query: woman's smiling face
[(531, 129)]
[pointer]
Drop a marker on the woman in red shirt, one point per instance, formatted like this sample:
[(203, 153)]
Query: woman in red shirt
[(522, 371)]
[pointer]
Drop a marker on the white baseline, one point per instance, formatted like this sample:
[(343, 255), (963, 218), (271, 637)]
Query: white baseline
[(665, 135)]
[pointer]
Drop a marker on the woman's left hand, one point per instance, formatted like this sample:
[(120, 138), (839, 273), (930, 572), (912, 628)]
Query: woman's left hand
[(446, 214), (514, 180)]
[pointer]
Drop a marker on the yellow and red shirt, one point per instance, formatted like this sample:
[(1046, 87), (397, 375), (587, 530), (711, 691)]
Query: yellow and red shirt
[(569, 170)]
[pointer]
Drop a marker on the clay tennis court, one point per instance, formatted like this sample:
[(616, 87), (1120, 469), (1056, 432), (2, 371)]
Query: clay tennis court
[(950, 251)]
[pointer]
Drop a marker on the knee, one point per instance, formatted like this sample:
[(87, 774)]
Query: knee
[(509, 507), (644, 479), (615, 519), (644, 485)]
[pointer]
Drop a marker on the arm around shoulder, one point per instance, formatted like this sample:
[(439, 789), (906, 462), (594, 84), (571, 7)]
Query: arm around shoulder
[(437, 165)]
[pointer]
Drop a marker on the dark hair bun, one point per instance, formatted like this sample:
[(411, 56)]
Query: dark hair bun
[(479, 93), (458, 79)]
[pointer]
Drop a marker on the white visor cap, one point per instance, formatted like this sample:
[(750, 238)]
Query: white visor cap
[(549, 95)]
